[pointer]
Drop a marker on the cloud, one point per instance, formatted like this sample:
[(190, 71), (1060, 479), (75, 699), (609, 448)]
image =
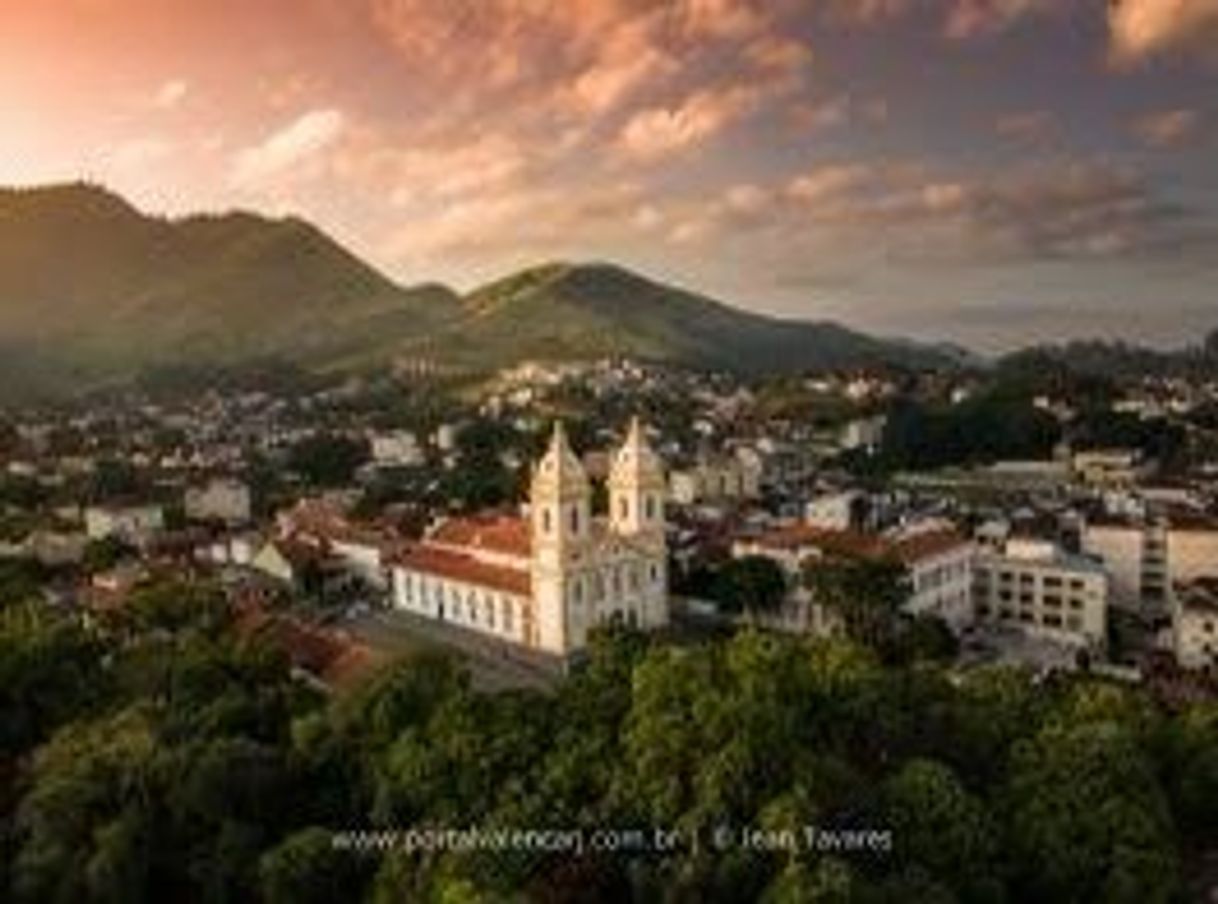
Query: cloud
[(659, 132), (919, 213), (526, 224), (1145, 28), (971, 18), (170, 94), (296, 144), (1030, 126), (1168, 128), (827, 181)]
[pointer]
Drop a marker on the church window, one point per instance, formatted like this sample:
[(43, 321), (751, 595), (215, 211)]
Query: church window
[(546, 519), (575, 519), (623, 508), (655, 573)]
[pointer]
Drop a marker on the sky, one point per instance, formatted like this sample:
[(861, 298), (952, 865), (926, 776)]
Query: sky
[(991, 172)]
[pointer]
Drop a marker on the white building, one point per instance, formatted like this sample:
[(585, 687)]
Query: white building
[(1036, 587), (130, 523), (938, 565), (1110, 467), (836, 511), (396, 449), (221, 499), (863, 433), (727, 478), (1195, 623), (1145, 557), (545, 581)]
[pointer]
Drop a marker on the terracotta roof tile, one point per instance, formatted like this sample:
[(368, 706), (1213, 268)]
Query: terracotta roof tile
[(459, 567), (493, 533)]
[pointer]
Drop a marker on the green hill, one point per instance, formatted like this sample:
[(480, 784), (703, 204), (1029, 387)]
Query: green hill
[(92, 290), (88, 281), (581, 311)]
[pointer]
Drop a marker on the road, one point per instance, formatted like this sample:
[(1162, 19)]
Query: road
[(493, 665)]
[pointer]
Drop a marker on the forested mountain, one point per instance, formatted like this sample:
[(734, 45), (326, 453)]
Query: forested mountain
[(91, 290)]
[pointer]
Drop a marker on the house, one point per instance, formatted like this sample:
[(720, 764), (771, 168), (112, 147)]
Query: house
[(221, 499), (132, 523), (718, 479)]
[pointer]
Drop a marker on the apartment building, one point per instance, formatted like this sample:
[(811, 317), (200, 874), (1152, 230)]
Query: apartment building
[(1037, 587)]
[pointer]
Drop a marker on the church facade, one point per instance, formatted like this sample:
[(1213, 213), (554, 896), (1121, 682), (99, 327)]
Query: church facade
[(545, 580)]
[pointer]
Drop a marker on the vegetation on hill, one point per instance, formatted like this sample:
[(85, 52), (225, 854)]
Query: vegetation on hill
[(596, 310), (169, 760), (91, 289)]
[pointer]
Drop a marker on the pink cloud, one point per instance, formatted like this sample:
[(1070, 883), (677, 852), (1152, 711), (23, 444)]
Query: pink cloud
[(1145, 28), (1168, 128)]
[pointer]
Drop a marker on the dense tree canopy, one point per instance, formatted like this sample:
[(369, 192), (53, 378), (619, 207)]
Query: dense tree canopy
[(171, 760)]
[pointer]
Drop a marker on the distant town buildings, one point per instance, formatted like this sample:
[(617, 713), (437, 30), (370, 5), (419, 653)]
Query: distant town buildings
[(225, 500), (133, 523)]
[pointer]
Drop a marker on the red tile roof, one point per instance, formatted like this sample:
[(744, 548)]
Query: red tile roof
[(927, 545), (858, 545), (493, 533), (459, 567)]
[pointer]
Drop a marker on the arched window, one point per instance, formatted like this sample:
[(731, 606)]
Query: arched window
[(623, 508), (575, 519), (547, 524)]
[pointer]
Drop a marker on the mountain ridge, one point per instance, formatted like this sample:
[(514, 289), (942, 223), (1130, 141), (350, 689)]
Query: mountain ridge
[(92, 289)]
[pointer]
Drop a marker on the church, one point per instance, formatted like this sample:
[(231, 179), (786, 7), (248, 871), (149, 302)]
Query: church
[(544, 580)]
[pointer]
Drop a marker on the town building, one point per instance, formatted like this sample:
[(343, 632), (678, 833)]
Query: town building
[(1111, 467), (134, 523), (543, 582), (1194, 634), (938, 567), (1035, 586), (396, 449), (1147, 556), (727, 478), (222, 499)]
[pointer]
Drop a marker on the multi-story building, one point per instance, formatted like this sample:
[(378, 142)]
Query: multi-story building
[(1034, 586), (545, 581), (1147, 556), (938, 566), (1195, 623)]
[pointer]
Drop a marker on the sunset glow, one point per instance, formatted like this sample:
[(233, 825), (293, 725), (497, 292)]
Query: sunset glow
[(986, 170)]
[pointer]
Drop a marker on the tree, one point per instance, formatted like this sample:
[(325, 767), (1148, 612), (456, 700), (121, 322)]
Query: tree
[(50, 672), (938, 825), (328, 460), (1088, 820), (754, 584), (867, 594), (306, 867)]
